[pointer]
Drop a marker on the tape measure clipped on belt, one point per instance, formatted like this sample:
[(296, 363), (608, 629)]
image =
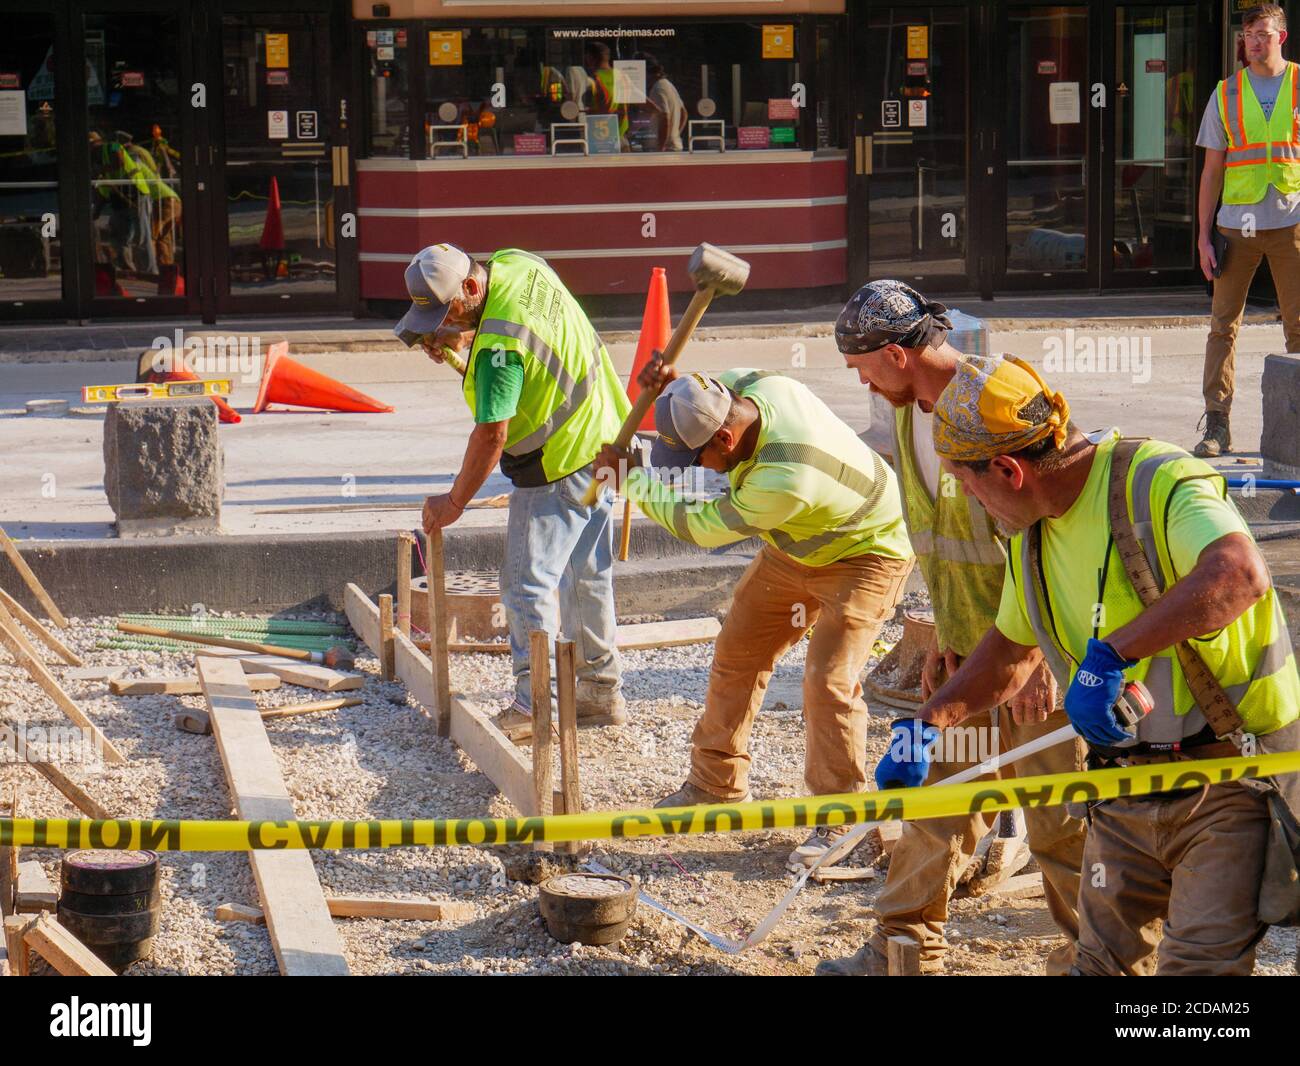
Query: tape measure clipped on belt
[(154, 390), (903, 804)]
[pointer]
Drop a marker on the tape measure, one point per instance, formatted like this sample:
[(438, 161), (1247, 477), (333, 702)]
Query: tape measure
[(154, 390)]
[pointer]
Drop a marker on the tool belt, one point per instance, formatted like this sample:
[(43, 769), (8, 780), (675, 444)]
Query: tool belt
[(1279, 893)]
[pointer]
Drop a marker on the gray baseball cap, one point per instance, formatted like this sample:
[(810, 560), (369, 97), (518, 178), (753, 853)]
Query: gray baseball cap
[(687, 414), (433, 280)]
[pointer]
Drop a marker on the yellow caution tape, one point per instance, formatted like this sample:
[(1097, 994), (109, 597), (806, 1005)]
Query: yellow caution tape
[(940, 801), (154, 390)]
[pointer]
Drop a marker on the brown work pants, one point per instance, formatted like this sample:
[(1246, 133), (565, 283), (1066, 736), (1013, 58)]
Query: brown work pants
[(932, 853), (1194, 860), (776, 602), (1282, 248)]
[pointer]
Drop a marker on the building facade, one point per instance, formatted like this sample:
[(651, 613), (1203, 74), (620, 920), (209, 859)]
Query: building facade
[(230, 156)]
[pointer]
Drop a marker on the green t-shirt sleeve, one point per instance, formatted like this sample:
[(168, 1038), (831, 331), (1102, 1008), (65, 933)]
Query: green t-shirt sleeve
[(1198, 516), (1012, 622), (498, 384)]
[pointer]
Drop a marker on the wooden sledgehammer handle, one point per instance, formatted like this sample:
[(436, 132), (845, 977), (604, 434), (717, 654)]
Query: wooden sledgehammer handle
[(685, 327)]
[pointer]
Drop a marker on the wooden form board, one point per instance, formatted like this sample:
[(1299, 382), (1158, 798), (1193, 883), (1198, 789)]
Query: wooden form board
[(290, 671), (302, 933), (52, 942), (638, 636), (472, 728)]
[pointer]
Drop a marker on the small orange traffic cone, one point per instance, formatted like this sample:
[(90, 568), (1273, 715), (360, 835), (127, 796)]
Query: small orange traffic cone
[(656, 329), (289, 382), (272, 239), (147, 373)]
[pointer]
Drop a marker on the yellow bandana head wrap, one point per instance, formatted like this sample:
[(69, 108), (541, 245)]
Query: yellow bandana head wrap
[(977, 416)]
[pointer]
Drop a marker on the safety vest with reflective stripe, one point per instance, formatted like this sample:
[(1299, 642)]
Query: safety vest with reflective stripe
[(1261, 152), (572, 401), (956, 546), (812, 489), (1251, 657)]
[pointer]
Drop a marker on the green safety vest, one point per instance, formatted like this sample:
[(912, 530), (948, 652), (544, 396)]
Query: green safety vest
[(956, 546), (1260, 153), (572, 401), (1251, 657)]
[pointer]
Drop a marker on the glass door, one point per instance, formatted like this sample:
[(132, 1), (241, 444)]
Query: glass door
[(912, 145), (276, 165), (1157, 112), (1047, 136), (31, 242)]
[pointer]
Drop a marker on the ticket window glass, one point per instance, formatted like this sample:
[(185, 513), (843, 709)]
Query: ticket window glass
[(387, 61), (31, 245), (1046, 134), (1157, 116), (278, 169), (916, 107), (133, 119)]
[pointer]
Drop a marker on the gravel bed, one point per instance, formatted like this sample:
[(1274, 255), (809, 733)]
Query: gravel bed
[(382, 759)]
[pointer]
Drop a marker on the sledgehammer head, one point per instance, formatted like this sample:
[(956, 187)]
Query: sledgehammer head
[(712, 268), (339, 658)]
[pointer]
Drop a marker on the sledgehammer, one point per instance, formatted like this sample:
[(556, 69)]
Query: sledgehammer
[(337, 657), (715, 273)]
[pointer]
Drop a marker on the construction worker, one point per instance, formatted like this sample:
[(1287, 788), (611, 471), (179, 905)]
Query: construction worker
[(896, 340), (1074, 596), (835, 554), (1251, 136), (544, 395)]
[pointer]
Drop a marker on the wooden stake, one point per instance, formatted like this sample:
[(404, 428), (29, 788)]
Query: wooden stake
[(435, 569), (16, 927), (31, 622), (289, 710), (404, 544), (904, 956), (52, 942), (33, 583), (543, 773), (9, 869), (46, 680), (386, 650), (566, 699), (71, 791)]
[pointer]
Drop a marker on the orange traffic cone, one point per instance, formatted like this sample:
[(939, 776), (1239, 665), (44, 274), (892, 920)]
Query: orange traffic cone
[(656, 329), (289, 382), (272, 239), (147, 373)]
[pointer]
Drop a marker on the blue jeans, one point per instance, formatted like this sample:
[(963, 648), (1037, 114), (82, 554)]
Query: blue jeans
[(558, 575)]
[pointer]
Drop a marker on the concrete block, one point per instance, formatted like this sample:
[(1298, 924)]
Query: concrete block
[(164, 467), (1280, 441)]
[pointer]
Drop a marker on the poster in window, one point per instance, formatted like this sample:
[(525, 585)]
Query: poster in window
[(917, 112), (782, 109), (778, 41), (753, 137), (602, 135), (629, 81), (277, 125), (277, 50), (891, 114), (445, 48), (918, 42), (13, 114), (1063, 103)]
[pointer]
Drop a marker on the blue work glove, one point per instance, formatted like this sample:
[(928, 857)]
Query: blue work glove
[(1090, 700), (911, 750)]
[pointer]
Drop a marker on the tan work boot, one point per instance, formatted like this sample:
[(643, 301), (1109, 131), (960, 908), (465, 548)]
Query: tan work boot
[(832, 839), (865, 962), (1218, 435), (693, 796), (600, 705), (517, 724)]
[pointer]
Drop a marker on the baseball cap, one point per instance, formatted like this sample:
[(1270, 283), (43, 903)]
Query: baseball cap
[(687, 414), (433, 280)]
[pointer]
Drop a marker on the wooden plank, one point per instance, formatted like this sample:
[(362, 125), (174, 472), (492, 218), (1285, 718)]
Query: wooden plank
[(423, 910), (42, 676), (363, 616), (405, 542), (566, 704), (52, 942), (903, 955), (240, 912), (33, 583), (1022, 886), (539, 647), (9, 868), (885, 835), (437, 575), (16, 927), (386, 636), (71, 791), (181, 686), (291, 672), (493, 753), (46, 637), (302, 934), (289, 710), (635, 637), (35, 892), (844, 873)]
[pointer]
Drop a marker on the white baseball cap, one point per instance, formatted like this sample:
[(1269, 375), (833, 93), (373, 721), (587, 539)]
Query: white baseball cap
[(687, 415)]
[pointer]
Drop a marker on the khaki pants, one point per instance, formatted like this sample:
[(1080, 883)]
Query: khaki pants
[(932, 853), (776, 602), (1282, 247), (1194, 860)]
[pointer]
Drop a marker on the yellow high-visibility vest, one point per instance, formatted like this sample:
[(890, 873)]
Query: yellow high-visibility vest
[(1261, 152)]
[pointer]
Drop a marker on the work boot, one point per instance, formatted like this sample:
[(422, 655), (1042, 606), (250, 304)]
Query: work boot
[(600, 705), (693, 796), (832, 839), (516, 723), (865, 962), (1218, 437)]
